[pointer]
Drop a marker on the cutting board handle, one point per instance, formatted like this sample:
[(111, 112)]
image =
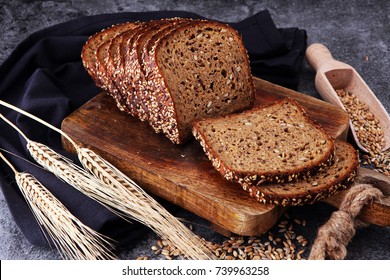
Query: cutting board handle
[(317, 54), (378, 212)]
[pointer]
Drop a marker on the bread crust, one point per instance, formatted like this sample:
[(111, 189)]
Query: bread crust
[(123, 74), (314, 188), (260, 177), (94, 58), (161, 111), (166, 108), (115, 65), (135, 61)]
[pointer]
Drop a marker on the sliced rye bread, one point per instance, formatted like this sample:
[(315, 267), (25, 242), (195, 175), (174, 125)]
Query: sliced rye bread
[(219, 85), (142, 85), (103, 58), (198, 71), (313, 188), (121, 74), (133, 63), (106, 79), (88, 53), (275, 143), (115, 63), (94, 58)]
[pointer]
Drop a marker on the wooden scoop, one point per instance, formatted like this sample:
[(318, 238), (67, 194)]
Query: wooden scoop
[(333, 75)]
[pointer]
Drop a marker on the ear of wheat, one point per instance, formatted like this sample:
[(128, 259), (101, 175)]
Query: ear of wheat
[(150, 211), (116, 191), (71, 237)]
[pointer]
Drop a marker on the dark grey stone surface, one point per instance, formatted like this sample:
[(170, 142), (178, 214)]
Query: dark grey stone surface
[(352, 30)]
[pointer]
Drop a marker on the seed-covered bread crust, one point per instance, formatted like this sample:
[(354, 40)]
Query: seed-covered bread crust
[(312, 188), (200, 70), (115, 65), (134, 62), (153, 98), (94, 57), (275, 143), (123, 74)]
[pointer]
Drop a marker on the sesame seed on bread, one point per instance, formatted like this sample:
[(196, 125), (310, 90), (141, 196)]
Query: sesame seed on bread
[(200, 70), (94, 58), (134, 63), (313, 188), (275, 143), (172, 71)]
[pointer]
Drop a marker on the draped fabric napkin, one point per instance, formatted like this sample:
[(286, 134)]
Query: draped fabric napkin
[(44, 75)]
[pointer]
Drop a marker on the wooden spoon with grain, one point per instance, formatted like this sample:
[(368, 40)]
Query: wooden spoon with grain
[(334, 75)]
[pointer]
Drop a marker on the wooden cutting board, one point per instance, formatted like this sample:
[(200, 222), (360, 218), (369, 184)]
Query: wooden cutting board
[(182, 174)]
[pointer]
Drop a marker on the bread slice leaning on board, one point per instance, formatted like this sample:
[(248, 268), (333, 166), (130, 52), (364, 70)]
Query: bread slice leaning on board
[(184, 70), (136, 71)]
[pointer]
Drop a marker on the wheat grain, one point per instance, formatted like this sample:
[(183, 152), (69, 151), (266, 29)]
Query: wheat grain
[(368, 130), (366, 125), (70, 236), (249, 247)]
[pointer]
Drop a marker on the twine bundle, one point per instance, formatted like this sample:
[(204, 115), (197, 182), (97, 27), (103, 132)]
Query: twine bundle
[(334, 236), (107, 185), (71, 237)]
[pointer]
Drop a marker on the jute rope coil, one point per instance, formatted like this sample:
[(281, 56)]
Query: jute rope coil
[(334, 236)]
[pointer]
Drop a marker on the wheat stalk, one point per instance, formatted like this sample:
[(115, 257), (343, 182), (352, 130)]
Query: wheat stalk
[(116, 191), (71, 237), (151, 212)]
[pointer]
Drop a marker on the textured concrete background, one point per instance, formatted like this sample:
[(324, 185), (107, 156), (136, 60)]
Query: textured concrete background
[(356, 32)]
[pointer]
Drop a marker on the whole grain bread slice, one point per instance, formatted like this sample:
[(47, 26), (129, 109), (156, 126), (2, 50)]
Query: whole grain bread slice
[(94, 57), (134, 63), (197, 71), (312, 188), (275, 143), (123, 76), (88, 52), (208, 74), (115, 62), (105, 79), (143, 87)]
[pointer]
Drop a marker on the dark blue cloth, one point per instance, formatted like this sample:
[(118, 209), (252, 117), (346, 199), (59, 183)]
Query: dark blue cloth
[(44, 76)]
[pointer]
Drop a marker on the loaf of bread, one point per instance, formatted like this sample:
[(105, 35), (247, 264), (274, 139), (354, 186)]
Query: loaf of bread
[(312, 188), (275, 143), (171, 72)]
